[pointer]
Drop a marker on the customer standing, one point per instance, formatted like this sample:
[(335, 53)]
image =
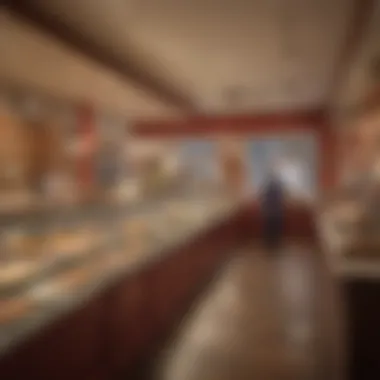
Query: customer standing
[(272, 210)]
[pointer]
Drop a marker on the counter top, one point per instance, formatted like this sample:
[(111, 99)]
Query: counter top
[(50, 302), (346, 268)]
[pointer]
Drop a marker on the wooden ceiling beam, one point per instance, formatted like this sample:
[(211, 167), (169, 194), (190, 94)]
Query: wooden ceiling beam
[(360, 18), (274, 122), (130, 71)]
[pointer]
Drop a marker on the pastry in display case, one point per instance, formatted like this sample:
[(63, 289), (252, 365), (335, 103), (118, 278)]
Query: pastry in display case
[(73, 279), (181, 214), (15, 274), (30, 253), (20, 252), (71, 242), (22, 243)]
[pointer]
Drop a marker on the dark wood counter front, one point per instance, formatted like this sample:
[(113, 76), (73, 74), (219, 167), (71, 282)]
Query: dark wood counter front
[(354, 310), (299, 221), (68, 349), (361, 298), (129, 320)]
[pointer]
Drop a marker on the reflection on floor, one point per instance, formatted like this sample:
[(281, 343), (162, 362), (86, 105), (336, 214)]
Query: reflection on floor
[(256, 322)]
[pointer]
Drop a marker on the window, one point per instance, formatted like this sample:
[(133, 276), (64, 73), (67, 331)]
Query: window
[(292, 158)]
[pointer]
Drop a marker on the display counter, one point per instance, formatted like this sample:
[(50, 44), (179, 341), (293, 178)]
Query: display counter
[(356, 278), (298, 223), (113, 288)]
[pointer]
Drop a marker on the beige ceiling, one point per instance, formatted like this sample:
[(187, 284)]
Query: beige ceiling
[(36, 60), (278, 53)]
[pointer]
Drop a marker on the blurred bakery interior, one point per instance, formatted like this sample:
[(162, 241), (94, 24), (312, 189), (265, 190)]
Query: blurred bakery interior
[(134, 147)]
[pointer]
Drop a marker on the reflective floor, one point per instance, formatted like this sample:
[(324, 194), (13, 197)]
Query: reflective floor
[(257, 321)]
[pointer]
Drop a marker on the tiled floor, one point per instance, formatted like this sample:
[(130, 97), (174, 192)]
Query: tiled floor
[(256, 322)]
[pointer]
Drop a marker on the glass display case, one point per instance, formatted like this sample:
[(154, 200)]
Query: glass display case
[(50, 257), (69, 255), (350, 222), (92, 208)]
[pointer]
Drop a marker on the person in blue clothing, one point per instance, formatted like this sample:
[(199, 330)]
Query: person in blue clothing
[(273, 209)]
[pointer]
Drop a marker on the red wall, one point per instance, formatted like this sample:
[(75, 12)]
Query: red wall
[(273, 123)]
